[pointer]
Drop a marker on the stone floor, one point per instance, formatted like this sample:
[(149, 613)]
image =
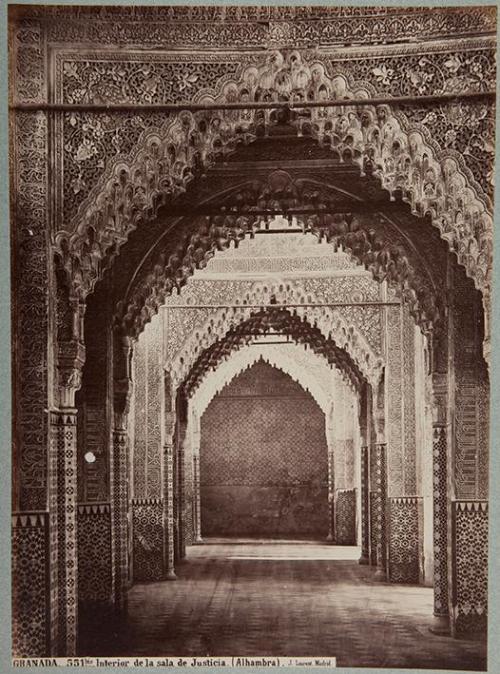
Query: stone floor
[(251, 598)]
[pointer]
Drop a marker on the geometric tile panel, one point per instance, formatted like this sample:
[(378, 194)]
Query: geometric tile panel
[(264, 459), (148, 536), (404, 544), (440, 521), (30, 605), (94, 553), (470, 591), (345, 517)]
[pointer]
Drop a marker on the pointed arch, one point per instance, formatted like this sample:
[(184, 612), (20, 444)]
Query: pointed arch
[(380, 140), (329, 322), (308, 369)]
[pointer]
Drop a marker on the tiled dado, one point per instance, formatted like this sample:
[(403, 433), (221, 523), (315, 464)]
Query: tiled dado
[(94, 553), (405, 540), (470, 567), (30, 583), (345, 516), (148, 539)]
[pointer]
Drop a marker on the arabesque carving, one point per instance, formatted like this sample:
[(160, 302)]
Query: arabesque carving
[(327, 320), (380, 140), (367, 237), (275, 321)]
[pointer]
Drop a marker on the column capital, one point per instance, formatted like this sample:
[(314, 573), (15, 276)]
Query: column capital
[(70, 361)]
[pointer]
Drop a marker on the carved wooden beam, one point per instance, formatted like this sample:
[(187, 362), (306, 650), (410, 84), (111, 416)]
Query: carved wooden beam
[(256, 105)]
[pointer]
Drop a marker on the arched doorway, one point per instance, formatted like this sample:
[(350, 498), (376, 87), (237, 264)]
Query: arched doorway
[(373, 182)]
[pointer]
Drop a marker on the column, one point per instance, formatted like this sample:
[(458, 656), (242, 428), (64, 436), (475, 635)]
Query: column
[(378, 485), (331, 493), (182, 487), (329, 432), (119, 482), (378, 506), (440, 441), (195, 452), (365, 506), (168, 478), (197, 496), (63, 459)]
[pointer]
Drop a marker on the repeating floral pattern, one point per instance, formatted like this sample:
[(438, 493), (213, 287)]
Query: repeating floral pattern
[(399, 150)]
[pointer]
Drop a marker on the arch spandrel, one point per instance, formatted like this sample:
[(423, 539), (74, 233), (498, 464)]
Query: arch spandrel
[(433, 179)]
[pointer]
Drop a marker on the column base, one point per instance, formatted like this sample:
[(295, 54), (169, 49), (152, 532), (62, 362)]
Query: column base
[(198, 541), (170, 575), (380, 574), (440, 625), (329, 538), (364, 560)]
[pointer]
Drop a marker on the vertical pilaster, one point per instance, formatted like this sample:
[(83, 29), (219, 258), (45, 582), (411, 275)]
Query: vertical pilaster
[(181, 488), (365, 506), (196, 496), (169, 483), (119, 479), (379, 501), (63, 445), (440, 521), (331, 496), (119, 519)]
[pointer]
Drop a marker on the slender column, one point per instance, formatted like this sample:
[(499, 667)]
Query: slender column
[(442, 386), (378, 484), (331, 497), (63, 449), (119, 481), (168, 454), (119, 510), (181, 488), (440, 501), (197, 496), (365, 506), (329, 429), (379, 520), (70, 359)]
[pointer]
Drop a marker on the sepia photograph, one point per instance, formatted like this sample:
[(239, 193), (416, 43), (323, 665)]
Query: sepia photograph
[(251, 280)]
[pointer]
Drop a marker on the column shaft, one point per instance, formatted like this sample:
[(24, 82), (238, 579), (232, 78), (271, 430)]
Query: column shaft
[(119, 501), (440, 518), (197, 499), (379, 508), (331, 498), (365, 506), (63, 441), (169, 512)]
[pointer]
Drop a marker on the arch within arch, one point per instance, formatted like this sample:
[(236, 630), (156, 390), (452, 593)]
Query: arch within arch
[(327, 320), (311, 371), (380, 140)]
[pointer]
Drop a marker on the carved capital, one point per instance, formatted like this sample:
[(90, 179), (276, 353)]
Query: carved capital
[(70, 361)]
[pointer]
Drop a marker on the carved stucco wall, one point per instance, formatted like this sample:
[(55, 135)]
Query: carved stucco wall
[(424, 162), (147, 411), (400, 404), (342, 288), (471, 396), (263, 459)]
